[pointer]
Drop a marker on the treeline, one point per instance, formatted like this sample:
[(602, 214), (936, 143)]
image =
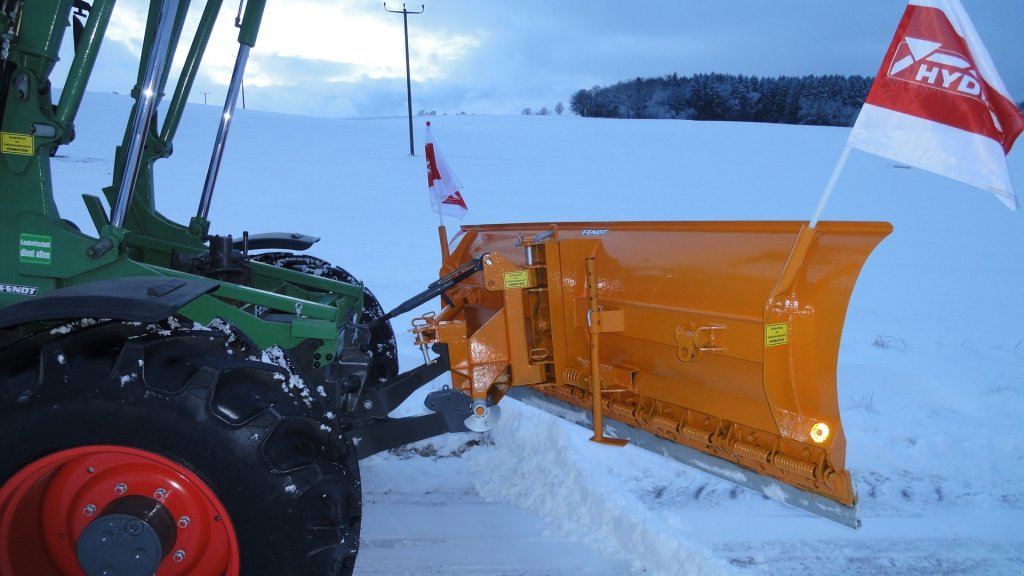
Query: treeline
[(817, 100)]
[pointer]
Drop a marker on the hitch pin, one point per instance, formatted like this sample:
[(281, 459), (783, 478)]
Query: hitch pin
[(420, 326)]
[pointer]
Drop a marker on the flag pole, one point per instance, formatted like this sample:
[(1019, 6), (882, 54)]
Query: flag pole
[(830, 186), (442, 235), (442, 232)]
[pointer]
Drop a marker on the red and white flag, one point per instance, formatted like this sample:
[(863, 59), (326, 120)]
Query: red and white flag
[(938, 103), (445, 188)]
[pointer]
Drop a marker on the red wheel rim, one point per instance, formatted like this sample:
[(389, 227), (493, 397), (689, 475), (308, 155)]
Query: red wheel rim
[(45, 507)]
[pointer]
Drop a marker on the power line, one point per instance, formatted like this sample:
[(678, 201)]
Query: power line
[(409, 81)]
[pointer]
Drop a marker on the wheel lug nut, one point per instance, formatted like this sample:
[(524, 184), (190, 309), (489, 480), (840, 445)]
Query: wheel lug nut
[(89, 510), (183, 522), (160, 494), (121, 488), (179, 555)]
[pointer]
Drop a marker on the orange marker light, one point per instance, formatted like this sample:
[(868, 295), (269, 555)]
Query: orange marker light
[(819, 432)]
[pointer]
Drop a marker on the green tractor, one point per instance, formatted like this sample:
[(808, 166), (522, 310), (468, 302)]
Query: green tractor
[(174, 401)]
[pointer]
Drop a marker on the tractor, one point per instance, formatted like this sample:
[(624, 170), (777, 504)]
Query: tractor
[(178, 401)]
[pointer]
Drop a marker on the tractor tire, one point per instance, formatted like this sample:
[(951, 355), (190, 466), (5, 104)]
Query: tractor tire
[(135, 449), (382, 338)]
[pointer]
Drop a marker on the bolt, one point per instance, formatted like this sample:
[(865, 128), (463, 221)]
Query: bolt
[(89, 510), (368, 404), (183, 522), (121, 488), (134, 528), (179, 555), (160, 494)]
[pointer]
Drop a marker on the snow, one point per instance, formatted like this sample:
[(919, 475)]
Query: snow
[(931, 368)]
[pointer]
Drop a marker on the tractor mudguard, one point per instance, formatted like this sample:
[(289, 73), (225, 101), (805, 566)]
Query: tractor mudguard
[(276, 241), (139, 299)]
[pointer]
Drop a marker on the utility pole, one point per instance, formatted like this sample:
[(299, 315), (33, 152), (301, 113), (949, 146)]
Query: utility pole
[(408, 79)]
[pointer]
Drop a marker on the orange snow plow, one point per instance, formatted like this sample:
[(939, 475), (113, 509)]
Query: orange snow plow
[(720, 337)]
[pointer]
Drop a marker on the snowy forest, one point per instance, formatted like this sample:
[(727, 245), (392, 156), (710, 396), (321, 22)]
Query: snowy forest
[(832, 100)]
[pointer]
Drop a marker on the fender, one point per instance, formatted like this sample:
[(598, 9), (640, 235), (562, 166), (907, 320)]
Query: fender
[(276, 241), (138, 299)]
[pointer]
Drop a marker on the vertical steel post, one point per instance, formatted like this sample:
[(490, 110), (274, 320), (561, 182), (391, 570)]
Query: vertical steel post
[(222, 132), (594, 329), (148, 98), (408, 77), (190, 70), (248, 30)]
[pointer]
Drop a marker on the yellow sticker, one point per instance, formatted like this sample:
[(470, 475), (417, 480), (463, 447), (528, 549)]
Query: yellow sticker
[(517, 279), (776, 334), (21, 144)]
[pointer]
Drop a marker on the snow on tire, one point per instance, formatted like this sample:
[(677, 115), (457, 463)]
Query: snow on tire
[(171, 419)]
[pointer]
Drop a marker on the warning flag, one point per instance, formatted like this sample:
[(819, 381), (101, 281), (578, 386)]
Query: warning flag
[(445, 188), (938, 103)]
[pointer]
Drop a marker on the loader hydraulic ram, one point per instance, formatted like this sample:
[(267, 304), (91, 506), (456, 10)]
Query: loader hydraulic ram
[(720, 338)]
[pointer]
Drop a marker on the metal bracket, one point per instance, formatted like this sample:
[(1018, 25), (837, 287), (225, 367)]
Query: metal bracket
[(690, 342), (373, 431), (449, 410)]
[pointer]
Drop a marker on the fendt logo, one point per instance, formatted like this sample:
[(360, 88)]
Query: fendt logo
[(928, 63), (16, 289)]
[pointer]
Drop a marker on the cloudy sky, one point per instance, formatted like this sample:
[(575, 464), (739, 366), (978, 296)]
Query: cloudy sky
[(346, 58)]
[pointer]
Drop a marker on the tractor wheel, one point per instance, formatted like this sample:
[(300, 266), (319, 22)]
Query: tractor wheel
[(382, 338), (132, 449)]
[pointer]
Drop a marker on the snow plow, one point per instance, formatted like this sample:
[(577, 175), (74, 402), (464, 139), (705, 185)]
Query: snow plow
[(721, 337), (177, 401)]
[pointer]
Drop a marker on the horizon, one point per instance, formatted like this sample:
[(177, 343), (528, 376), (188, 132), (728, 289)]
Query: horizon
[(328, 60)]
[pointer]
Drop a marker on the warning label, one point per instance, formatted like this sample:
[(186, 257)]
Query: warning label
[(20, 144), (776, 334), (35, 249), (518, 279)]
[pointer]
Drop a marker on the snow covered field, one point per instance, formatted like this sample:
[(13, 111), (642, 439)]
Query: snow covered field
[(931, 370)]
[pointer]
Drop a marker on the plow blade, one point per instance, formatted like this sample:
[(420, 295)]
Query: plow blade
[(719, 337)]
